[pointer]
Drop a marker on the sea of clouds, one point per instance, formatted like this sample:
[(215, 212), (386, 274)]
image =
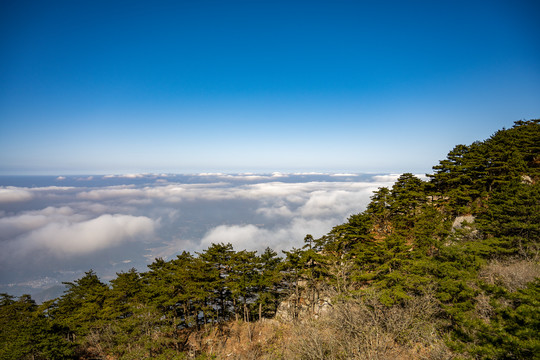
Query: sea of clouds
[(52, 229)]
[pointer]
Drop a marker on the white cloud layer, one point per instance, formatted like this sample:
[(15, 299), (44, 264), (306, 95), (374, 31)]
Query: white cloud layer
[(251, 237), (14, 226), (141, 219), (64, 236), (13, 194), (215, 191), (313, 207)]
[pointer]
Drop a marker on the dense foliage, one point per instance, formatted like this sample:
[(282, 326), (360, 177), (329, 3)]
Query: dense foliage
[(467, 240)]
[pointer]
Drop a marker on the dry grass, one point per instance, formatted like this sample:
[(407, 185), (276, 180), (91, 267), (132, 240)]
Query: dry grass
[(262, 340), (512, 275), (359, 328), (365, 329)]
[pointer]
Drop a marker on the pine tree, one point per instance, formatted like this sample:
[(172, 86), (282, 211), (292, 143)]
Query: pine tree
[(293, 267), (408, 195), (512, 220), (81, 306), (27, 331), (242, 281), (269, 287), (218, 257)]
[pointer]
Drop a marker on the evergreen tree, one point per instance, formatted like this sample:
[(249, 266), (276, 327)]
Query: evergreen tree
[(81, 306), (218, 257), (293, 266), (379, 211), (269, 287), (408, 195), (27, 332), (242, 281), (125, 295), (512, 220)]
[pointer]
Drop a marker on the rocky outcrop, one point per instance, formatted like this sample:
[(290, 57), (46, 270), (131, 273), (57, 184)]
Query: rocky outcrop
[(305, 306), (461, 222), (464, 227), (526, 179)]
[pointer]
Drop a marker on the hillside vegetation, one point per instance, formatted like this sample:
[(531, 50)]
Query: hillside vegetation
[(439, 269)]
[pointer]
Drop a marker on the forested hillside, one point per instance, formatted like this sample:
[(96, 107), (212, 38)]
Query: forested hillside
[(439, 269)]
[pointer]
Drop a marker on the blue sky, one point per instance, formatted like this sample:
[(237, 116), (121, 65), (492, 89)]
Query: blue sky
[(362, 86)]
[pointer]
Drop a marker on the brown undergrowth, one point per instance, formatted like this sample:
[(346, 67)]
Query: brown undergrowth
[(358, 328), (242, 340), (366, 329)]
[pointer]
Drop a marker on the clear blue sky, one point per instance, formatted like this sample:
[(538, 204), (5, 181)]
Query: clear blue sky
[(184, 86)]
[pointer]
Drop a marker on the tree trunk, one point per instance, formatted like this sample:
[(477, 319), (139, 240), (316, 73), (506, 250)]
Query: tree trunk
[(235, 310), (260, 311), (222, 299), (297, 300)]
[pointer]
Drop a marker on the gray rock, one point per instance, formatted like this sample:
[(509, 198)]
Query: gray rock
[(462, 221)]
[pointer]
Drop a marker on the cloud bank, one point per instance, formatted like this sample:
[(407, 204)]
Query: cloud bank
[(61, 232), (121, 221), (13, 194), (67, 238)]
